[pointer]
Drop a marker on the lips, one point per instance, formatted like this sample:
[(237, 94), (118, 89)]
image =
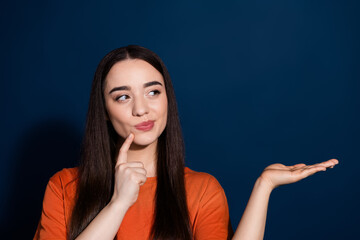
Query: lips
[(145, 126)]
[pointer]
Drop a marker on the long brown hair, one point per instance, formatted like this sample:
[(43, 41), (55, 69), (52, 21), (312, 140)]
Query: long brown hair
[(96, 169)]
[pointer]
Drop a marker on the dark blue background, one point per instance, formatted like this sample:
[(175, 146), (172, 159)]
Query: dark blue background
[(257, 82)]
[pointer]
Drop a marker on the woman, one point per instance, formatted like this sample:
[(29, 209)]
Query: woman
[(131, 182)]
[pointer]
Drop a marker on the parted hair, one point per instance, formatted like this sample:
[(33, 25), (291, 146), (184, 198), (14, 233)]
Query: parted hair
[(95, 184)]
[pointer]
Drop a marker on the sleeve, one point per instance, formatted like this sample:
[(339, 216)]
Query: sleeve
[(52, 222), (213, 216)]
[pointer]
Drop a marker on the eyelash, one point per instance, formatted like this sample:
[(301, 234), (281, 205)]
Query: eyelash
[(156, 92), (118, 98)]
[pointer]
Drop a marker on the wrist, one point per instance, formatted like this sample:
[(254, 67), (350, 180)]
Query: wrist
[(264, 184), (117, 206)]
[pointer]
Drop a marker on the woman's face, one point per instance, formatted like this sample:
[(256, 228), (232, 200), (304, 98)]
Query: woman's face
[(136, 100)]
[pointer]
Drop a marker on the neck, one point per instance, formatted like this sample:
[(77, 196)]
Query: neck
[(145, 154)]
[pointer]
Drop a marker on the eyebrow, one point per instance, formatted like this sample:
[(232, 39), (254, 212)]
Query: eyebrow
[(148, 84), (152, 84)]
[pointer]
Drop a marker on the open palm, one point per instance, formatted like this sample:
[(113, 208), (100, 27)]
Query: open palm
[(278, 174)]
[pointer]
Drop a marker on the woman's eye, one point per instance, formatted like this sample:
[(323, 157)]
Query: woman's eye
[(122, 98), (154, 92)]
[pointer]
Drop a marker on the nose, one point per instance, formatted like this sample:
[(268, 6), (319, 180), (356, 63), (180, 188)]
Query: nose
[(140, 107)]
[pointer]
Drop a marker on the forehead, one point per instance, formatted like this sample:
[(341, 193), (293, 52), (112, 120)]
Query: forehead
[(132, 72)]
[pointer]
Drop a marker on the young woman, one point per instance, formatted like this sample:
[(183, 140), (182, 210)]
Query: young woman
[(131, 182)]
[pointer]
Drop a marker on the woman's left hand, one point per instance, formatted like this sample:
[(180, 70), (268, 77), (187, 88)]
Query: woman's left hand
[(278, 174)]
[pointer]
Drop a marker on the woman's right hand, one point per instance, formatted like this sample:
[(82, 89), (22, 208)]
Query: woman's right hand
[(129, 176)]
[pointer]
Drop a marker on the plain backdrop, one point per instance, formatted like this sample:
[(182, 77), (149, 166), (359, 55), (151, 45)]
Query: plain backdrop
[(257, 82)]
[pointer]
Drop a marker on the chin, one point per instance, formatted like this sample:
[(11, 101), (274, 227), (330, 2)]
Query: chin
[(144, 139)]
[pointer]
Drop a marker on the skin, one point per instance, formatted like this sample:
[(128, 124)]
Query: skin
[(137, 152)]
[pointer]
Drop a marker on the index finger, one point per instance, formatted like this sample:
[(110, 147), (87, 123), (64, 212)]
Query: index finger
[(122, 158), (329, 163)]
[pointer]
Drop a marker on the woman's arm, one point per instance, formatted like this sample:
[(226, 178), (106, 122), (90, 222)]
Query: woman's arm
[(106, 224), (129, 176), (252, 223)]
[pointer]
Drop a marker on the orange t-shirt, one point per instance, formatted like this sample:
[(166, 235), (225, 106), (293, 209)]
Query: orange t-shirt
[(208, 208)]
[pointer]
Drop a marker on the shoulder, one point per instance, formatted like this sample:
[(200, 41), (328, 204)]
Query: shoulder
[(61, 189), (200, 178), (56, 210), (63, 179), (207, 203), (201, 183), (65, 176)]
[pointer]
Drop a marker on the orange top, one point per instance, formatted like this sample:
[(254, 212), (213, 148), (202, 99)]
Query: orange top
[(208, 208)]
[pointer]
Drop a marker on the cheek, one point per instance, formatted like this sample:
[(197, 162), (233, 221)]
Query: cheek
[(120, 123), (164, 112), (162, 108), (164, 105)]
